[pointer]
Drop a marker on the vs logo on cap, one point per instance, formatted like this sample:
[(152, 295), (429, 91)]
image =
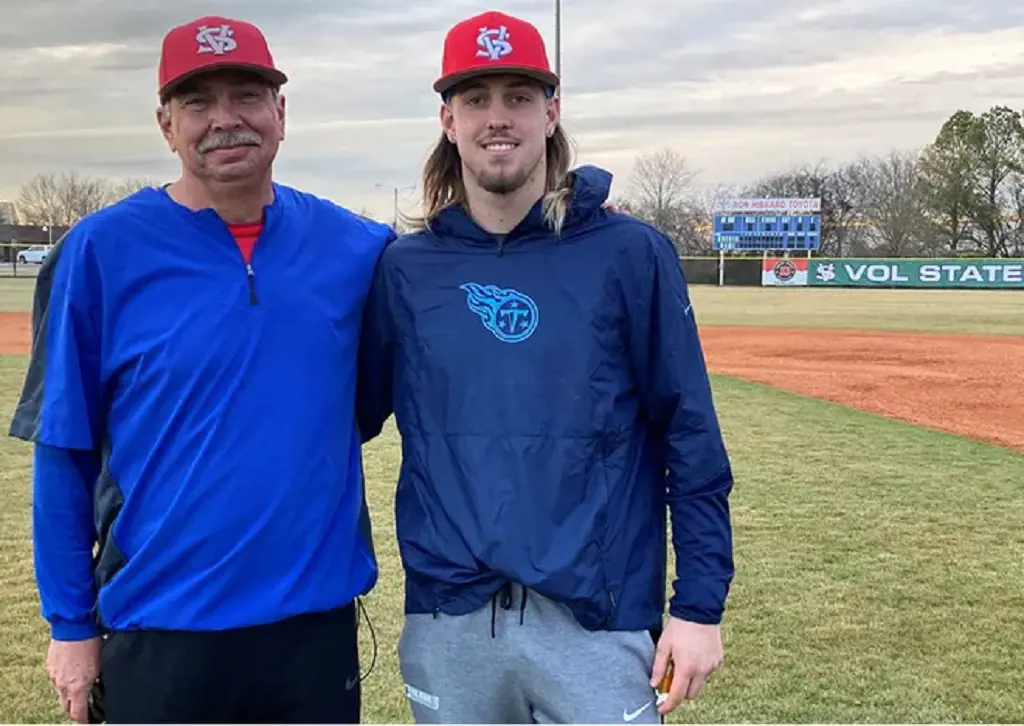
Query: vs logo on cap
[(216, 40), (493, 43)]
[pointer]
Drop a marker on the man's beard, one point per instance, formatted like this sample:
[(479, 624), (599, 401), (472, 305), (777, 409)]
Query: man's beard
[(504, 183)]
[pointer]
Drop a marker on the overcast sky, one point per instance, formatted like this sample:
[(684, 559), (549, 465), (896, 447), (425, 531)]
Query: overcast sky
[(740, 87)]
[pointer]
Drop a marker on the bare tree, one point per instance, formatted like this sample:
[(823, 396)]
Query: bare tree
[(696, 235), (841, 226), (661, 194), (890, 201), (49, 199), (62, 200), (127, 187)]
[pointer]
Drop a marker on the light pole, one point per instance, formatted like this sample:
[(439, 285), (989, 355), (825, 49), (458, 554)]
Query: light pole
[(558, 38), (394, 191)]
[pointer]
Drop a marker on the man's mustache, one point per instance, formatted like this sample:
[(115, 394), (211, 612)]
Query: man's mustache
[(227, 139)]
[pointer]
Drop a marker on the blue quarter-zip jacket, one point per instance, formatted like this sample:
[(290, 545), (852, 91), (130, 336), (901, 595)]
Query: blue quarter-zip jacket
[(194, 419), (553, 401)]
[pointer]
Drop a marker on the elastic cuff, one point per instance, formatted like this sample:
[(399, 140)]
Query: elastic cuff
[(692, 613), (72, 631)]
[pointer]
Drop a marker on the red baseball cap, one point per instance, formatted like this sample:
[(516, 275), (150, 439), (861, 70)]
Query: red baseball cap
[(215, 42), (490, 43)]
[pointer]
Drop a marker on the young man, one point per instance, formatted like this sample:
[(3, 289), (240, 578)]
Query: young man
[(541, 358), (190, 396)]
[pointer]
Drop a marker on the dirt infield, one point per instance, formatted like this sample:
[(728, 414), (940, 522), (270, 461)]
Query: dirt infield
[(967, 385), (15, 333)]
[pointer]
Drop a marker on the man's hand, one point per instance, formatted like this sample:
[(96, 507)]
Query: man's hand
[(695, 651), (74, 667)]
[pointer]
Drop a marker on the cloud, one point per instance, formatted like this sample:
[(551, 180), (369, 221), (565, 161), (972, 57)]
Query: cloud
[(740, 87)]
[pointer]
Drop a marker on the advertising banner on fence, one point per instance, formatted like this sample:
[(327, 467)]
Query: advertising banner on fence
[(994, 273), (786, 272)]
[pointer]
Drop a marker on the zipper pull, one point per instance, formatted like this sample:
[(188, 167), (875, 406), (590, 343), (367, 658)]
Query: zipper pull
[(253, 300)]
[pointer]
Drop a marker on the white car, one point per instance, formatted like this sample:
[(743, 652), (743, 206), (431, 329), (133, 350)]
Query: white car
[(35, 255)]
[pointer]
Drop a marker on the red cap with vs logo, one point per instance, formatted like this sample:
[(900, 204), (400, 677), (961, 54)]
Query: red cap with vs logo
[(493, 42), (214, 42)]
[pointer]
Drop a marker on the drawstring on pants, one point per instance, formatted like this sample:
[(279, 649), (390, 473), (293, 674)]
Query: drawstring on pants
[(505, 593)]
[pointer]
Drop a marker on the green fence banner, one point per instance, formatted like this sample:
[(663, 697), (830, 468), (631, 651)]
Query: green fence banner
[(959, 273)]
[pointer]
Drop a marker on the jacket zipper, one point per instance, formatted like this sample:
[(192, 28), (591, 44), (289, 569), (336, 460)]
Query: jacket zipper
[(250, 273), (253, 300)]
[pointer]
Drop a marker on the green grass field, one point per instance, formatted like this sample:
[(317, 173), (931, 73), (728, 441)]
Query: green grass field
[(879, 565), (973, 312), (16, 294)]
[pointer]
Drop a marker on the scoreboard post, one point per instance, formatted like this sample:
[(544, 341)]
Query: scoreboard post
[(765, 224)]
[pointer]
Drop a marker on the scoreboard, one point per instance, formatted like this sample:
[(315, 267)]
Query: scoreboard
[(767, 224)]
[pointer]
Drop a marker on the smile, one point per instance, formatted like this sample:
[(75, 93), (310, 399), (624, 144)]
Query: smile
[(500, 146)]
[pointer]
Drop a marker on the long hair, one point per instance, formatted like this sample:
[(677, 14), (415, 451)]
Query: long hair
[(443, 185)]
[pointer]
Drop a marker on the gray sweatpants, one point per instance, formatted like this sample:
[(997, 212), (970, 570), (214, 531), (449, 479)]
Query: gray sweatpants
[(544, 669)]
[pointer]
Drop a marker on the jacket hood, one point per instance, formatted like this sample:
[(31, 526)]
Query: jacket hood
[(591, 186)]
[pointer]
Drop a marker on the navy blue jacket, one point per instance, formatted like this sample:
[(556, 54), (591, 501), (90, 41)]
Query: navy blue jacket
[(194, 417), (552, 399)]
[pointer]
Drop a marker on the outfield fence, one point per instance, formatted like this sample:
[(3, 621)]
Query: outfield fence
[(20, 260), (856, 272)]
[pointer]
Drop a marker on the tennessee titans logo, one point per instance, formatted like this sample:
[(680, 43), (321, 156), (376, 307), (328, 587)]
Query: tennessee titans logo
[(509, 314)]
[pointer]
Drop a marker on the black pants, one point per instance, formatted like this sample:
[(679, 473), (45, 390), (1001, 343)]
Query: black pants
[(301, 670)]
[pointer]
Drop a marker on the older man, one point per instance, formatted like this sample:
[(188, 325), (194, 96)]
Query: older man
[(190, 398)]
